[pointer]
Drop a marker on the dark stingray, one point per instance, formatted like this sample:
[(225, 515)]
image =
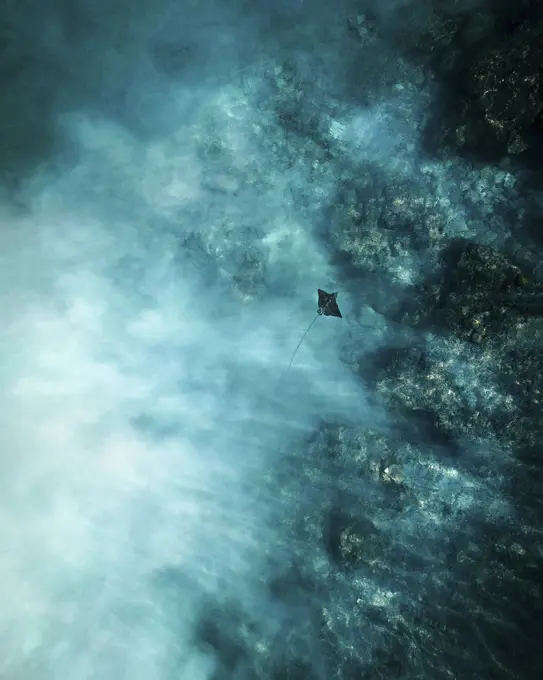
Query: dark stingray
[(327, 306)]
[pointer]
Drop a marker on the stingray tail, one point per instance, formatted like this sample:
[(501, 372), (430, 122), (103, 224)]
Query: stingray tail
[(301, 340)]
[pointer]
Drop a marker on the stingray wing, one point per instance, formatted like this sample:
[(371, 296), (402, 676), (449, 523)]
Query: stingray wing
[(332, 309), (323, 298)]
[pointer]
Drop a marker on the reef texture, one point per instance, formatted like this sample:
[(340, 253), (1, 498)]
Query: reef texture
[(455, 250)]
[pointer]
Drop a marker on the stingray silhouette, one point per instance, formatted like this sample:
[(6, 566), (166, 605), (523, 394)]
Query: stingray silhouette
[(327, 306)]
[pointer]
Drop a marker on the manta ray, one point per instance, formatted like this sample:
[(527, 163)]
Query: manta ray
[(327, 306)]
